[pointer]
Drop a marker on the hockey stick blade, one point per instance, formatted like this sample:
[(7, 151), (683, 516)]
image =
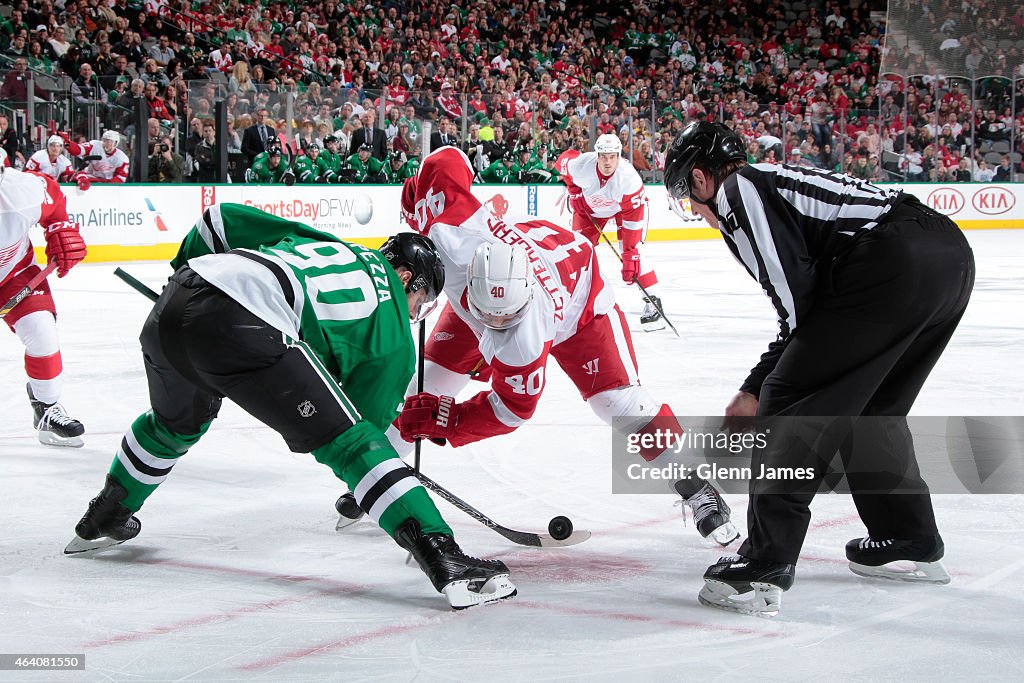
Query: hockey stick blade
[(27, 289), (79, 545), (526, 538), (136, 284)]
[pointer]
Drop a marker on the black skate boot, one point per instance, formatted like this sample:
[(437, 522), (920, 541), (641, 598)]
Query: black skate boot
[(349, 511), (651, 319), (710, 513), (740, 584), (106, 523), (874, 559), (54, 426), (466, 581)]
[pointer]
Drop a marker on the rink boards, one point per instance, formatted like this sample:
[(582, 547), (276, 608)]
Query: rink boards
[(148, 221)]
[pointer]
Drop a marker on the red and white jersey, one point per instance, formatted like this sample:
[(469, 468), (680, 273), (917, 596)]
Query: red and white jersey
[(451, 105), (111, 168), (620, 195), (26, 199), (59, 169), (569, 293)]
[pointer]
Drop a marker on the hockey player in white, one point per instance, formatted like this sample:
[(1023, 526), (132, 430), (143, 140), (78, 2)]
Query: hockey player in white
[(603, 187), (107, 163), (28, 199), (52, 161), (567, 312)]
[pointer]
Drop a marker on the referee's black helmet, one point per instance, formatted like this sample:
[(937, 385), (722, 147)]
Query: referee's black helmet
[(701, 143)]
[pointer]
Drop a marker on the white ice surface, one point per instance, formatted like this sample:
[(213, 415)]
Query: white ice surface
[(238, 572)]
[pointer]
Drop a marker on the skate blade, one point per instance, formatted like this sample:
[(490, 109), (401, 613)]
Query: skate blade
[(764, 601), (919, 572), (51, 439), (724, 535), (80, 545), (345, 522), (467, 593), (653, 326)]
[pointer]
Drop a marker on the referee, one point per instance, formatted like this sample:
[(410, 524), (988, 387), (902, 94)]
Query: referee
[(869, 285)]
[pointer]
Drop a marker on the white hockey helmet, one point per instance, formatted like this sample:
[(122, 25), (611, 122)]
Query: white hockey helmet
[(500, 287), (111, 136), (55, 140), (608, 144)]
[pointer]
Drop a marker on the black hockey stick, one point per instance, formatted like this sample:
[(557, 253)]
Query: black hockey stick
[(636, 282), (419, 390), (27, 289), (518, 537), (137, 285)]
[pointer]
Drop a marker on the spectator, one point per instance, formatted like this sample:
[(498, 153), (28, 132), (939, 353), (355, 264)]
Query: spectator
[(204, 156), (161, 52), (165, 165), (15, 86), (86, 89), (983, 174), (157, 106), (9, 140), (1004, 172)]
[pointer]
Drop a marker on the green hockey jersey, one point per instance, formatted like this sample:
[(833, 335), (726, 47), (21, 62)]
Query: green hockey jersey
[(370, 168), (406, 170), (260, 171), (497, 173), (329, 165), (342, 299)]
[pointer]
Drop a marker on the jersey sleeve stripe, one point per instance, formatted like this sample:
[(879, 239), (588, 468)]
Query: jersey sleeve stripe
[(279, 271), (502, 412)]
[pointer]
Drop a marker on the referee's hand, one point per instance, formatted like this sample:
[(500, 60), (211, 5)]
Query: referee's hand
[(739, 414)]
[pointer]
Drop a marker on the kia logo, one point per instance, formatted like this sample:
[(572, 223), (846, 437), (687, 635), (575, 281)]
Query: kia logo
[(993, 200), (946, 200)]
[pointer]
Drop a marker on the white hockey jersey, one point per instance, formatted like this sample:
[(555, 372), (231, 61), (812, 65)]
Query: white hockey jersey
[(569, 295), (59, 169), (26, 199), (620, 195), (110, 168)]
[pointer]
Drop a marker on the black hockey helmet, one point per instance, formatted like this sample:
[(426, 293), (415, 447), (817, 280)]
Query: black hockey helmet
[(509, 155), (701, 143), (418, 254), (365, 147), (329, 139), (397, 155)]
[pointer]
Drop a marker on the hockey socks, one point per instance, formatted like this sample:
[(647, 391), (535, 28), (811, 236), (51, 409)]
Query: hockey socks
[(384, 486), (148, 452)]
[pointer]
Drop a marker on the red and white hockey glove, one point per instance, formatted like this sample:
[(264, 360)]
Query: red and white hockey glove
[(83, 182), (630, 265), (577, 202), (428, 417), (64, 245)]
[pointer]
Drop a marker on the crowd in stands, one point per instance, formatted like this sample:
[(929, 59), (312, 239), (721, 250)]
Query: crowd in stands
[(356, 91)]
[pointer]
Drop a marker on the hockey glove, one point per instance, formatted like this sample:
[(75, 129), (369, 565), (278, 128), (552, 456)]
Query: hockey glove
[(83, 183), (64, 245), (630, 265), (429, 417), (577, 202)]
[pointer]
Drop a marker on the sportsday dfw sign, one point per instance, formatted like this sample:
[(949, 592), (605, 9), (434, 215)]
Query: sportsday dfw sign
[(136, 222)]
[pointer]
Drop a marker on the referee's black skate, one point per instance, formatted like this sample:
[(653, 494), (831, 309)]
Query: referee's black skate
[(106, 523), (740, 584), (349, 511), (710, 512), (651, 320), (917, 560), (54, 426), (466, 581)]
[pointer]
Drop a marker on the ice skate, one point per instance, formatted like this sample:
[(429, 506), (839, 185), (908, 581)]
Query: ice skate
[(349, 511), (747, 586), (651, 320), (916, 560), (106, 523), (466, 581), (710, 512), (54, 426)]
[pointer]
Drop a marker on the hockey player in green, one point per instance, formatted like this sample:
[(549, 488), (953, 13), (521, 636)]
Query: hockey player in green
[(330, 162), (527, 170), (365, 168), (305, 166), (397, 168), (267, 168), (310, 335), (501, 170)]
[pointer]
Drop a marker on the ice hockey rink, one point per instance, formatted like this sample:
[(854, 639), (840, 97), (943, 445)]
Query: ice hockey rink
[(239, 574)]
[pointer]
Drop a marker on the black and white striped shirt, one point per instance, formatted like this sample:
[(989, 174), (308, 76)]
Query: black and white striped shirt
[(781, 223)]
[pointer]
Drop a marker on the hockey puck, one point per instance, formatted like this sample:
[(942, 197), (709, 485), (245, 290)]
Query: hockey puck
[(560, 528)]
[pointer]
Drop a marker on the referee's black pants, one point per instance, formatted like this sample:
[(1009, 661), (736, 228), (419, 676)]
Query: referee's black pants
[(883, 315)]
